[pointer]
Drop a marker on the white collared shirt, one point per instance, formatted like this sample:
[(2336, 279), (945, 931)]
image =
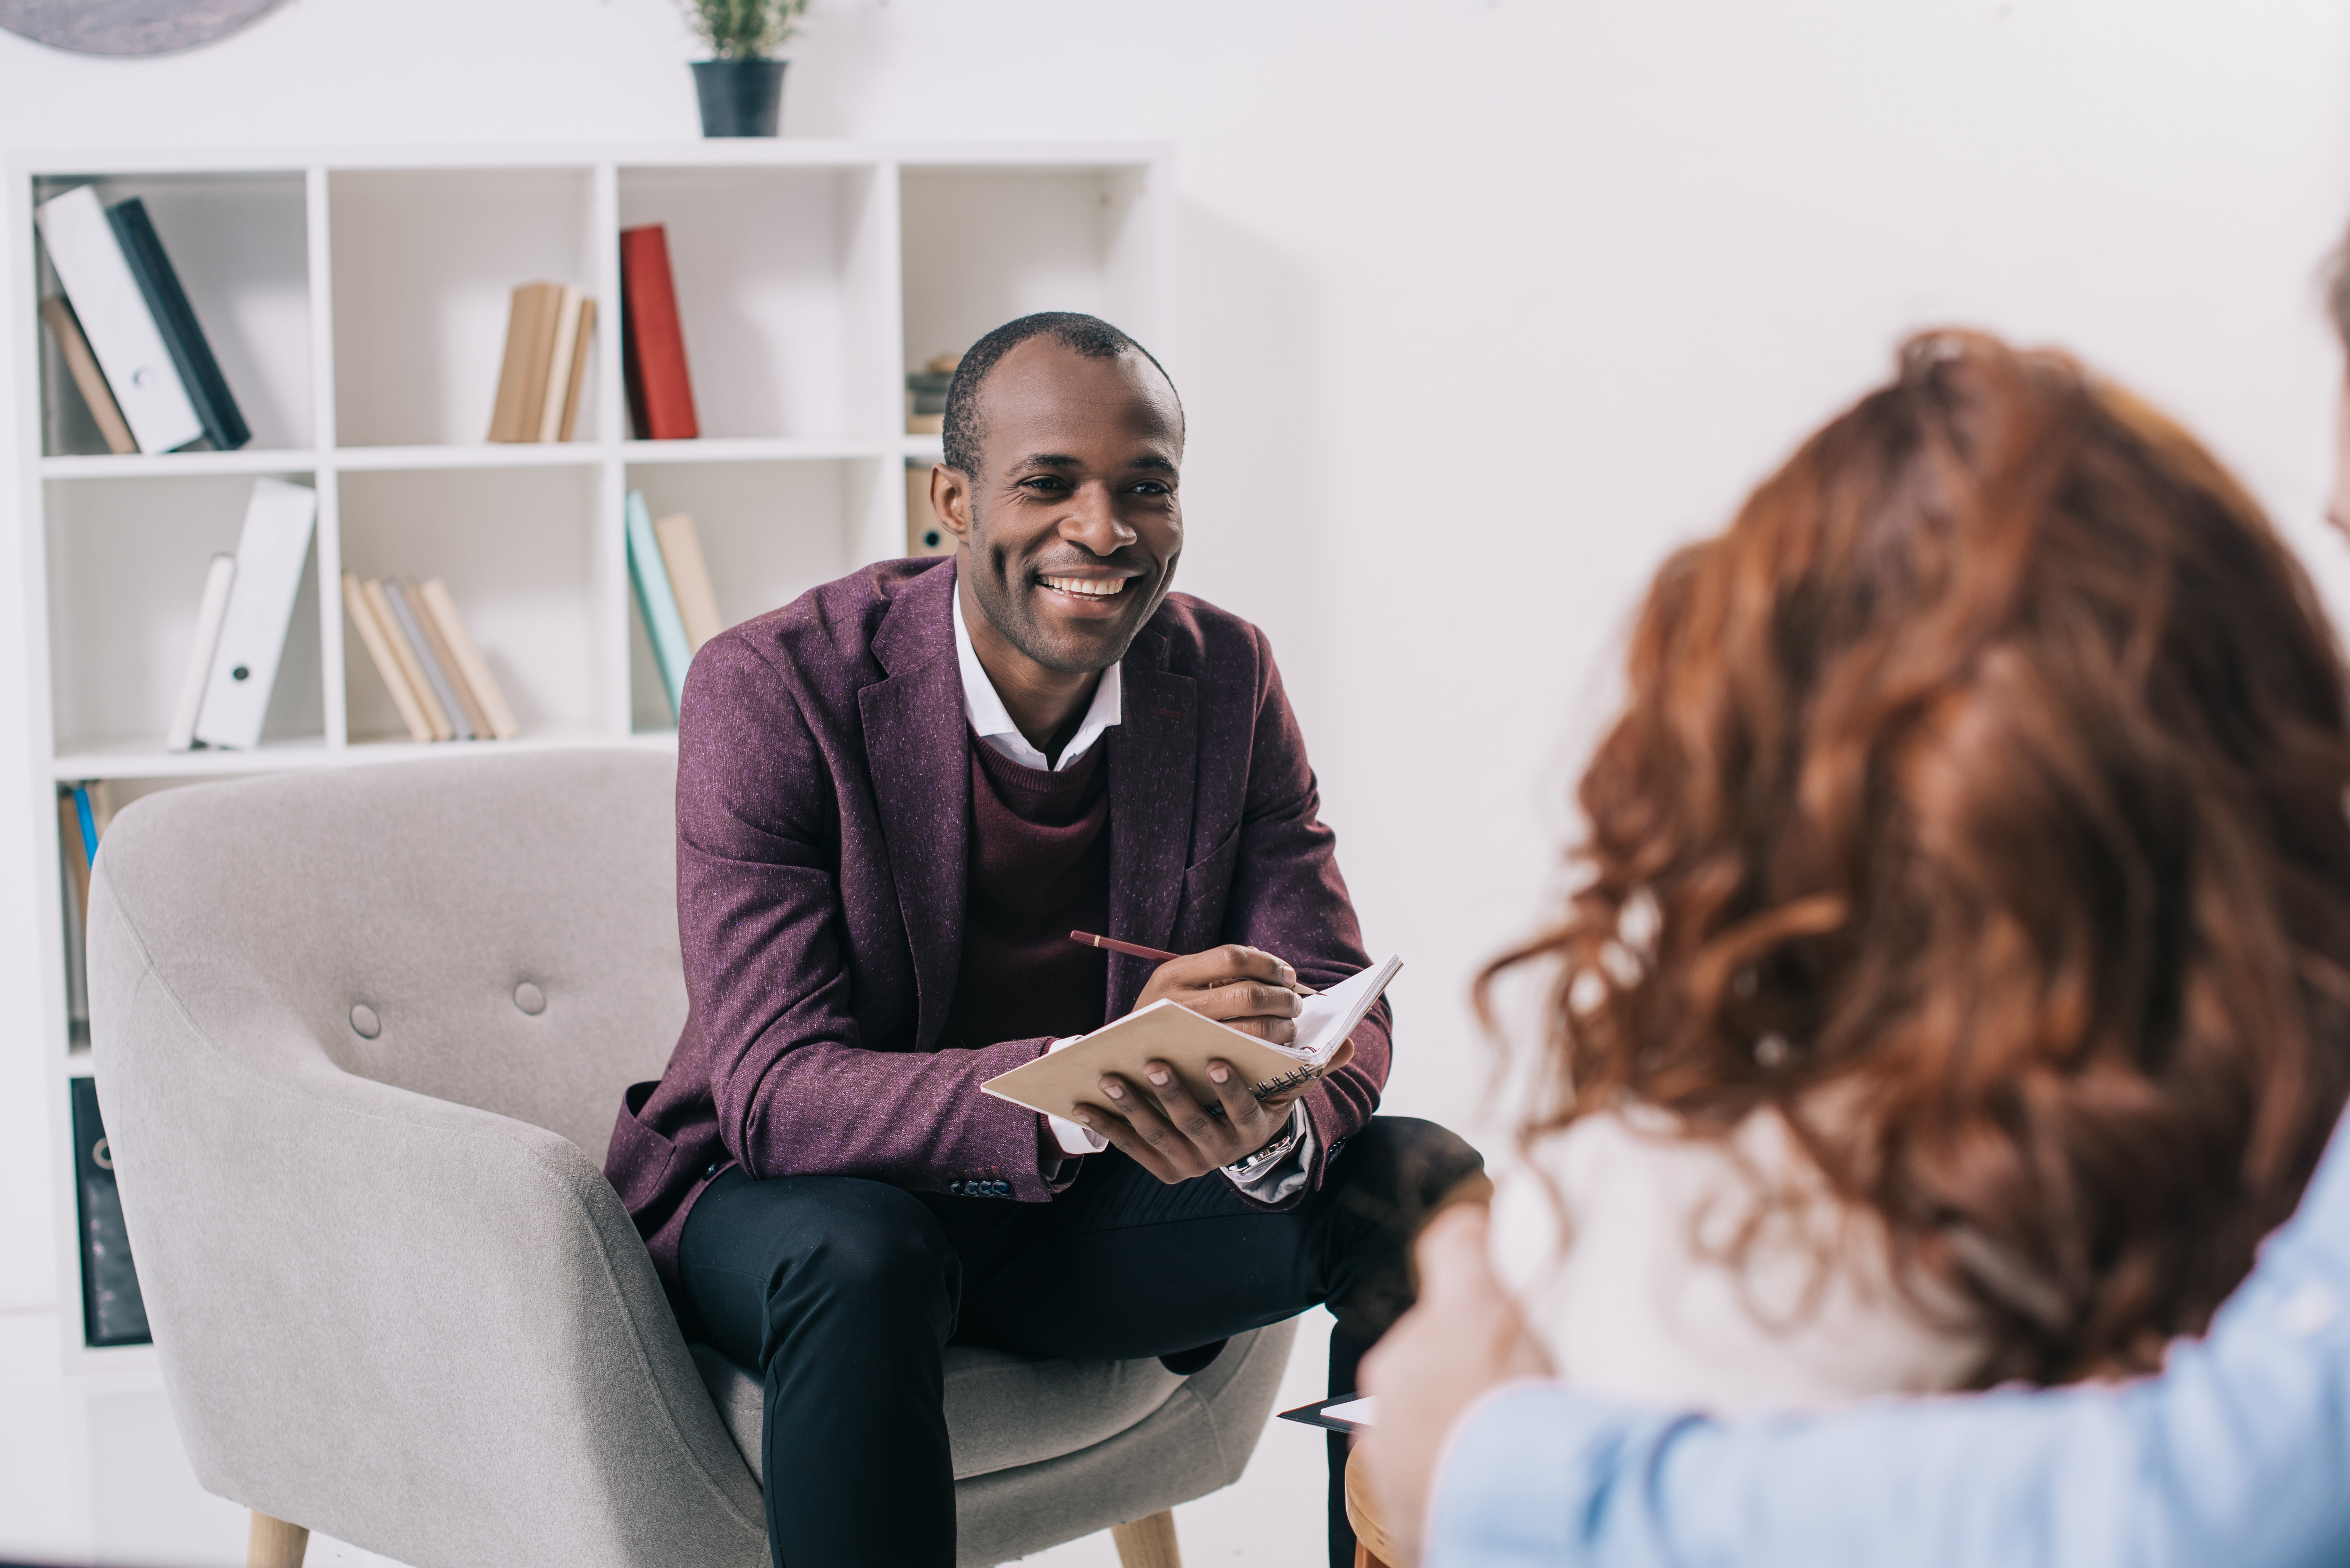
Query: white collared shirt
[(991, 722)]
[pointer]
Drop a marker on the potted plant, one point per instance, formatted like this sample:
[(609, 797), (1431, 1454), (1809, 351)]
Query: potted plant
[(742, 85)]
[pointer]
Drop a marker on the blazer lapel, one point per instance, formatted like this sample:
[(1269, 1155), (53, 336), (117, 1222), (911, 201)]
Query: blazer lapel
[(918, 752), (1154, 756)]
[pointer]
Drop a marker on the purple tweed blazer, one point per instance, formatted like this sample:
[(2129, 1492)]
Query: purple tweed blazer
[(823, 823)]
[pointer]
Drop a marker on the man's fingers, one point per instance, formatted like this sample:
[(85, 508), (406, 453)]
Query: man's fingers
[(1250, 1118), (1183, 1113), (1220, 965)]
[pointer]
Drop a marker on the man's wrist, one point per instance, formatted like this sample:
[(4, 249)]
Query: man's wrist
[(1272, 1154)]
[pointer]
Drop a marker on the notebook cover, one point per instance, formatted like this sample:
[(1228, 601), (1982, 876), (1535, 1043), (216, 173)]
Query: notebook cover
[(1170, 1033), (73, 347), (114, 317), (112, 1311), (652, 339), (223, 422)]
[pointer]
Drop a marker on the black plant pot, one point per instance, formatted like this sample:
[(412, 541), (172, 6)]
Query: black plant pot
[(739, 97)]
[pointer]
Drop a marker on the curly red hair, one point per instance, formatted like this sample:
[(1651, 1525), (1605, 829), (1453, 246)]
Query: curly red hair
[(1978, 806)]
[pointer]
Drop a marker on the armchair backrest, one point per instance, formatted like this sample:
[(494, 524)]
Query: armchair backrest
[(498, 931)]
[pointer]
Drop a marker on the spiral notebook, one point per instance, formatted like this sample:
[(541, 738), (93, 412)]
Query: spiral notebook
[(1170, 1033)]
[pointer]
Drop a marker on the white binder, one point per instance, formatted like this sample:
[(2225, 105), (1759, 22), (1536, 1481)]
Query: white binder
[(269, 557), (115, 318), (209, 614)]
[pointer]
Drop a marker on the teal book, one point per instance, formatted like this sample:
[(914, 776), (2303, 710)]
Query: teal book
[(663, 626)]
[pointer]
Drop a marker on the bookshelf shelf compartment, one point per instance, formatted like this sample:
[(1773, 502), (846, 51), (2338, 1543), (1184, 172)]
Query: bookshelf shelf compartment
[(357, 304), (239, 243), (126, 561), (516, 548), (426, 262)]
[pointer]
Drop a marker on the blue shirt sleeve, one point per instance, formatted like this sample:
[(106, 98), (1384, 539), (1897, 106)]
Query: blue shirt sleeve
[(2239, 1452)]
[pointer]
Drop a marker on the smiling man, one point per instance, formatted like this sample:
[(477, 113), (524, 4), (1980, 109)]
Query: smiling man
[(895, 798)]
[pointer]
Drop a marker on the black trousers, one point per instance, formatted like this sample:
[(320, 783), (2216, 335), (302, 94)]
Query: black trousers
[(845, 1292)]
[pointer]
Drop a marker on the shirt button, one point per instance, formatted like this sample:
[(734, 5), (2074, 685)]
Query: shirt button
[(713, 1170)]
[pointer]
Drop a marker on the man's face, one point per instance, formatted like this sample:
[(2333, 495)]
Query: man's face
[(1071, 527)]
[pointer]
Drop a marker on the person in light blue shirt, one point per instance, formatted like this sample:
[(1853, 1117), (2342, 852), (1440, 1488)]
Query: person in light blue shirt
[(2235, 1452)]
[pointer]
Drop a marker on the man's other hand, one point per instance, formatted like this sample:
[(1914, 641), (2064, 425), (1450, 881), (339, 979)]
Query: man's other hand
[(1465, 1336), (1247, 988)]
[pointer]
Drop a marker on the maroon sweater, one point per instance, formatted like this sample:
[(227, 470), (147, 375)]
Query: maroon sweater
[(1039, 869)]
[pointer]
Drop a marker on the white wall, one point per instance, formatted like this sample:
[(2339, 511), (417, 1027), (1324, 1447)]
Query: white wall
[(1487, 302)]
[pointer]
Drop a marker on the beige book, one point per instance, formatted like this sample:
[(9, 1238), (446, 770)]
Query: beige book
[(560, 355), (429, 623), (65, 328), (411, 669), (521, 380), (373, 633), (1170, 1033), (433, 594), (689, 578), (586, 340)]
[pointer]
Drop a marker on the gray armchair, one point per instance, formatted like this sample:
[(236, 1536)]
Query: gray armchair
[(359, 1037)]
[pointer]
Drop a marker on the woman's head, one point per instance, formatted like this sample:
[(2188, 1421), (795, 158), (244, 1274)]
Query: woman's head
[(1984, 781)]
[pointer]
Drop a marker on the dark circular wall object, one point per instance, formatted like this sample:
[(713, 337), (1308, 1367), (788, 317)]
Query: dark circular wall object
[(128, 27)]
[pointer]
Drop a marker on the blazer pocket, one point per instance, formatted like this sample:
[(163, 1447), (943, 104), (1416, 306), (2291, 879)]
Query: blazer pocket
[(1206, 887)]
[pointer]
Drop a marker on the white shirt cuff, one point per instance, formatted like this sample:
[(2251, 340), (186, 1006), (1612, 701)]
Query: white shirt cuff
[(1074, 1141), (1283, 1178)]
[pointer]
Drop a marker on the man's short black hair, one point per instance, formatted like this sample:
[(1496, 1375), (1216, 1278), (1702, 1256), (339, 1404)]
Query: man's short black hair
[(1088, 335)]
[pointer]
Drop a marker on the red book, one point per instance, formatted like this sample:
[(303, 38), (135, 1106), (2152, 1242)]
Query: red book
[(653, 344)]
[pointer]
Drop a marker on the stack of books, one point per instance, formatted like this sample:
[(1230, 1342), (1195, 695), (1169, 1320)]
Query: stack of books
[(126, 333), (436, 675), (673, 591), (548, 332), (242, 621)]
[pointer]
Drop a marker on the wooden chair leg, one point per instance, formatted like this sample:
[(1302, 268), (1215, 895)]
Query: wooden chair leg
[(274, 1543), (1147, 1542)]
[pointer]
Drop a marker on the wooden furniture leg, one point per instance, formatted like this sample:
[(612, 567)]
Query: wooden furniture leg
[(1373, 1547), (274, 1543), (1147, 1542)]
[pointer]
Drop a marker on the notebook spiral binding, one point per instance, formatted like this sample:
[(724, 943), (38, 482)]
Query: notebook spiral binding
[(1288, 1080)]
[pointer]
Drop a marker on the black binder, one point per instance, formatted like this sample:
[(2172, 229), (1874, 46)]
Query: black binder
[(198, 371), (112, 1312)]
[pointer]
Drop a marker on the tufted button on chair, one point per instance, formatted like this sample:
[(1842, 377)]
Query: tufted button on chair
[(361, 1035)]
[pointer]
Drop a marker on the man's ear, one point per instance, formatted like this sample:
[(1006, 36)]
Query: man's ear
[(951, 499)]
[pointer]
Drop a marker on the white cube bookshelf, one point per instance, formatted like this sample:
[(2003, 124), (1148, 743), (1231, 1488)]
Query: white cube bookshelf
[(357, 302)]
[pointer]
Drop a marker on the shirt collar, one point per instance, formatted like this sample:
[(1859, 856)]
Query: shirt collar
[(992, 722)]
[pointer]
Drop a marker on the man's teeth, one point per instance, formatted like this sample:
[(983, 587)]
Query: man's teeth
[(1091, 587)]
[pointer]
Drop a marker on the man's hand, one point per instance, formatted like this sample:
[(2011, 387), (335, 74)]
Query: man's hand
[(1464, 1337), (1175, 1137), (1245, 987)]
